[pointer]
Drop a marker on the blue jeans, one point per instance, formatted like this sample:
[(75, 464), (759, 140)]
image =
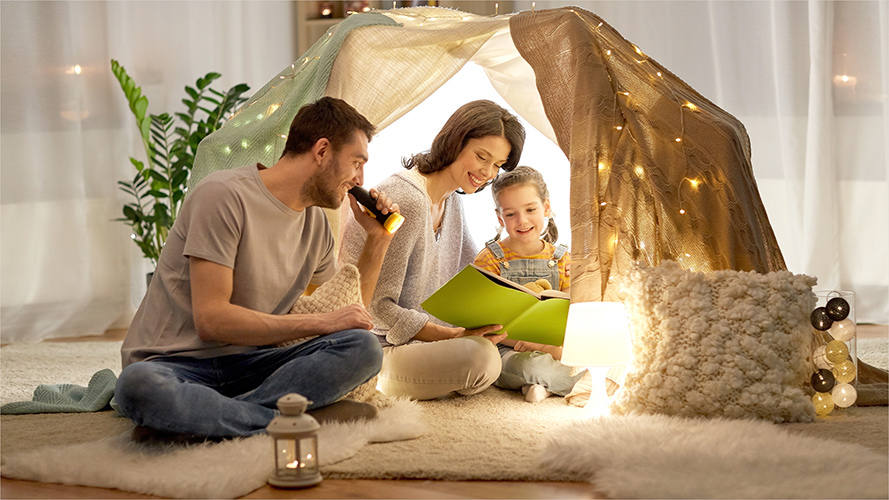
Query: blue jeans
[(236, 395)]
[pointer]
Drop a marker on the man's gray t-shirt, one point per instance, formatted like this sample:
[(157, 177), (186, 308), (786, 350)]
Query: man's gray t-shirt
[(231, 219)]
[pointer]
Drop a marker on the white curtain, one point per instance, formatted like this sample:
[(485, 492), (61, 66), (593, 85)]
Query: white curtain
[(809, 80), (820, 141), (66, 267)]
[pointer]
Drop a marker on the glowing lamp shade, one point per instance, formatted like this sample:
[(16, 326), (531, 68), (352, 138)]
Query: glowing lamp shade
[(597, 336)]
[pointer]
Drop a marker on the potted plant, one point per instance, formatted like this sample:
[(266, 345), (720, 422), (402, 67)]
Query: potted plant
[(159, 185)]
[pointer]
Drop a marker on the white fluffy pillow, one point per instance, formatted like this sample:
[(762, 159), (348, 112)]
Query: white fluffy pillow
[(722, 344)]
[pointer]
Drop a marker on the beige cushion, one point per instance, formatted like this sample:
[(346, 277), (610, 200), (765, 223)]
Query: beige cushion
[(721, 344), (342, 289)]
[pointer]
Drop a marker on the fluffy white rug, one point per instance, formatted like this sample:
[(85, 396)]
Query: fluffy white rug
[(655, 456), (223, 470)]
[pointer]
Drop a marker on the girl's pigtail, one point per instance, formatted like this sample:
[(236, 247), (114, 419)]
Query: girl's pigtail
[(551, 235)]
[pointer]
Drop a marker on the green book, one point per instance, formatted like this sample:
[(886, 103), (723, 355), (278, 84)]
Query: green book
[(475, 298)]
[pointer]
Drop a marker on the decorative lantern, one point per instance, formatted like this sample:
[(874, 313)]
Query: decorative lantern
[(295, 441)]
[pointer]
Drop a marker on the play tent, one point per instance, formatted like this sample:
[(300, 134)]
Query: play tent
[(658, 172)]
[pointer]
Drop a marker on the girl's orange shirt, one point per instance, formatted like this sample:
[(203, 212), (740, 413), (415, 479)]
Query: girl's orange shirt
[(486, 260)]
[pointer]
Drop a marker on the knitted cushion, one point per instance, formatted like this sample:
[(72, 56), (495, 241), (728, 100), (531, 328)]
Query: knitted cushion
[(342, 289), (722, 344)]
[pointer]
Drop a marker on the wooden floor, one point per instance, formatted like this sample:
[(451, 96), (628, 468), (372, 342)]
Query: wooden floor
[(354, 488)]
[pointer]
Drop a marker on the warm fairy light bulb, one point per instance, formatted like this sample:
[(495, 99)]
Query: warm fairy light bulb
[(836, 351), (694, 183), (844, 371), (678, 139), (608, 52), (602, 204), (660, 74), (77, 69), (601, 166), (843, 330), (844, 395), (690, 106), (820, 358), (639, 170), (619, 127), (823, 403), (681, 210)]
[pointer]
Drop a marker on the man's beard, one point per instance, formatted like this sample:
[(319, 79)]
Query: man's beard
[(323, 188)]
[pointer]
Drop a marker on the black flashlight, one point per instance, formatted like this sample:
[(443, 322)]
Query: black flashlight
[(391, 221)]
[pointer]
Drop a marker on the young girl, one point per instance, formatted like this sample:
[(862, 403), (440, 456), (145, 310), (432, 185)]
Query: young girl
[(526, 255)]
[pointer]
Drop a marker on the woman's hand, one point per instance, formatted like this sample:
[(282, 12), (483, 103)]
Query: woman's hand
[(432, 333), (486, 332)]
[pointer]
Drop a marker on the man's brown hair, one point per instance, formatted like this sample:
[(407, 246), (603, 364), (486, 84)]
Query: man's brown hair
[(328, 117)]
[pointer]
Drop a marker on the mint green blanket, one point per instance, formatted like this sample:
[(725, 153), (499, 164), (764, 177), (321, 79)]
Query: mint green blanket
[(68, 398)]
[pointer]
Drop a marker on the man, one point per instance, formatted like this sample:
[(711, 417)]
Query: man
[(248, 242)]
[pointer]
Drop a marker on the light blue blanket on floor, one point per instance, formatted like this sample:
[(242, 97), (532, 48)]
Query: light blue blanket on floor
[(68, 398)]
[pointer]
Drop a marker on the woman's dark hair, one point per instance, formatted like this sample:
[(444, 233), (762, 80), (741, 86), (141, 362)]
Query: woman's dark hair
[(328, 117), (519, 176), (473, 120)]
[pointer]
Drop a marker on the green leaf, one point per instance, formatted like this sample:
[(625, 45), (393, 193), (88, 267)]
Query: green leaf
[(140, 107)]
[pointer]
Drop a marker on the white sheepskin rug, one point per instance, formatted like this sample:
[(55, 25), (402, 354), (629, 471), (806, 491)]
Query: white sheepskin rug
[(656, 456), (228, 469)]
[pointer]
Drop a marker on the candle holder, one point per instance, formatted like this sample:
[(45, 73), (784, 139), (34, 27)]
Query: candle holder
[(295, 444)]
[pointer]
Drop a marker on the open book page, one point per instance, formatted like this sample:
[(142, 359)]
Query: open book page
[(475, 298)]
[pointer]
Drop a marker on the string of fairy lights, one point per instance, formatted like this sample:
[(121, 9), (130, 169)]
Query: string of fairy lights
[(416, 16), (623, 100)]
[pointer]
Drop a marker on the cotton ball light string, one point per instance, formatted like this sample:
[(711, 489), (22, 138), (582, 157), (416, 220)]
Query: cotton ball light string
[(834, 371), (823, 402), (842, 330), (843, 395), (845, 371)]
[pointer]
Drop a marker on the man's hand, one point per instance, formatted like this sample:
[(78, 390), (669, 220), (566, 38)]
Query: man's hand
[(370, 224), (349, 317), (371, 259)]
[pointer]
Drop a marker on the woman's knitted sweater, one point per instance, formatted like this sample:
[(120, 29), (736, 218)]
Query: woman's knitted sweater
[(418, 261)]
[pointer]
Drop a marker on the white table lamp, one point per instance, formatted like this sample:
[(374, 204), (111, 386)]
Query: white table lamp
[(597, 337)]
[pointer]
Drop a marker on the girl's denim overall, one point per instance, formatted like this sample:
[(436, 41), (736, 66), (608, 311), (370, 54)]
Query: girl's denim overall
[(535, 367)]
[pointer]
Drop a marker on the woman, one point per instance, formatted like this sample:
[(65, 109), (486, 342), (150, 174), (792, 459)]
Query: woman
[(423, 357)]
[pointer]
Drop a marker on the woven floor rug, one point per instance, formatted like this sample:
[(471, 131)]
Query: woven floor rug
[(491, 436)]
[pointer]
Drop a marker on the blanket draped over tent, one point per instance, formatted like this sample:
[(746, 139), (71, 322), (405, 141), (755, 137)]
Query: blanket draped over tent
[(658, 172)]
